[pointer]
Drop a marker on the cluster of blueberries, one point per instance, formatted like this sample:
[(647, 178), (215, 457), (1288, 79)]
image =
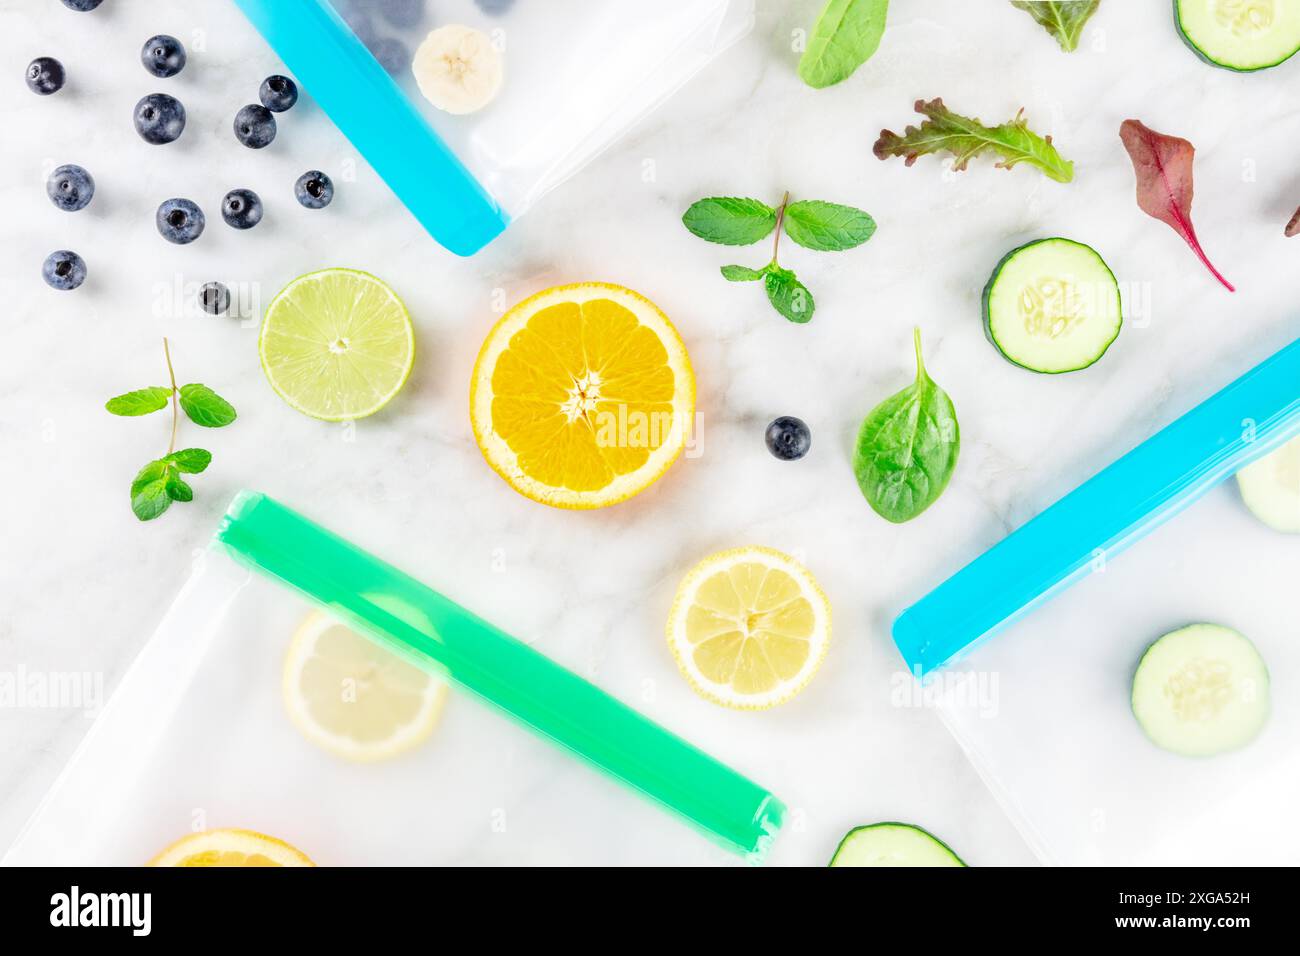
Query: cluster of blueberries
[(394, 55), (160, 119)]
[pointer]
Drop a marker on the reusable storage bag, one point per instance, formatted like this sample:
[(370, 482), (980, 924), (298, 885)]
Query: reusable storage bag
[(577, 74), (198, 736), (1043, 708)]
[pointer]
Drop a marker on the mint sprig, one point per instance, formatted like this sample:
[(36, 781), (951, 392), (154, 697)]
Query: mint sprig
[(813, 224), (159, 483)]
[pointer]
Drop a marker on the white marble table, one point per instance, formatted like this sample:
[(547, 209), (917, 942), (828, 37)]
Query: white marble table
[(85, 583)]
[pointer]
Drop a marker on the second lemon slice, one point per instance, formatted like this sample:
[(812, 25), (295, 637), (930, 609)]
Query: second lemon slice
[(749, 627), (230, 847), (582, 395), (354, 697), (337, 344)]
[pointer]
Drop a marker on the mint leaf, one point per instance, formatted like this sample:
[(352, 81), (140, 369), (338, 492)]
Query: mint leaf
[(140, 402), (149, 496), (190, 460), (730, 221), (845, 36), (827, 226), (788, 295), (742, 274), (178, 490), (205, 407)]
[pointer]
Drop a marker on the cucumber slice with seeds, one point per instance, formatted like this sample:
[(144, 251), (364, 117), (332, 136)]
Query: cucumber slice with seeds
[(1240, 35), (1201, 690), (1052, 306), (1271, 487), (893, 844)]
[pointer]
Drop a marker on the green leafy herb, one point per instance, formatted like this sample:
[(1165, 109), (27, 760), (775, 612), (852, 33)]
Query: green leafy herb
[(845, 36), (191, 461), (824, 226), (140, 402), (1063, 19), (159, 483), (788, 295), (742, 273), (732, 222), (205, 407), (827, 226), (946, 131), (907, 448)]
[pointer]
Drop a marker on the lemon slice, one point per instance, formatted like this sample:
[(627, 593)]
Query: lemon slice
[(749, 627), (582, 395), (354, 697), (230, 847), (337, 344)]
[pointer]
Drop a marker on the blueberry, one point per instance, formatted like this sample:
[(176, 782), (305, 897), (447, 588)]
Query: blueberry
[(495, 7), (45, 75), (254, 126), (357, 17), (278, 93), (214, 298), (403, 14), (70, 188), (242, 208), (392, 54), (788, 438), (314, 189), (163, 55), (82, 6), (64, 270), (159, 119), (180, 221)]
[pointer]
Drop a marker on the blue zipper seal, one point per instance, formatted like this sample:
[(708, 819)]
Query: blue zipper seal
[(1134, 495), (376, 116)]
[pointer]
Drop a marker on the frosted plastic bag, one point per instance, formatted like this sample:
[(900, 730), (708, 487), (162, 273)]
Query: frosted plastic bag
[(578, 73), (197, 736), (1043, 707)]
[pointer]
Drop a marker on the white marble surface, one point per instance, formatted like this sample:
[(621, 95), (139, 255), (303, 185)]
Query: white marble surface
[(85, 583)]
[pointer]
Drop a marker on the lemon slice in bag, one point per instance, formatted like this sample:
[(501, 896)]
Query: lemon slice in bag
[(354, 697), (230, 847)]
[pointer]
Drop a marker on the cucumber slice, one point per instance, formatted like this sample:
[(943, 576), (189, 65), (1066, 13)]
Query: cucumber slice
[(1052, 306), (1201, 690), (1271, 487), (1241, 35), (893, 844)]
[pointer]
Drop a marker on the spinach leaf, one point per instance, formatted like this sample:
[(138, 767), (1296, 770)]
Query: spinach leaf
[(845, 36), (907, 448)]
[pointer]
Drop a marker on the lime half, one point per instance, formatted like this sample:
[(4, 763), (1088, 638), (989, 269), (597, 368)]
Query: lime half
[(337, 344)]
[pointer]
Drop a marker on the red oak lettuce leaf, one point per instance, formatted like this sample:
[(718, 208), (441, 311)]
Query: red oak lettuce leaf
[(1163, 165)]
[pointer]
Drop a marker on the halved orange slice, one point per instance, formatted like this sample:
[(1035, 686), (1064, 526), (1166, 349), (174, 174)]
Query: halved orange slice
[(582, 395)]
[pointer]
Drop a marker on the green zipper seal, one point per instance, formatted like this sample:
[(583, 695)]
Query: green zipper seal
[(424, 626)]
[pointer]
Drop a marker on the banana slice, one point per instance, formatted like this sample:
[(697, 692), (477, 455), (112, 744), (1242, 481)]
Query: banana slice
[(457, 69)]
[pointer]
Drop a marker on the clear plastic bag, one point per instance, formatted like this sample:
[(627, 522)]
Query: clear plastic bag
[(1043, 707), (577, 74), (198, 736)]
